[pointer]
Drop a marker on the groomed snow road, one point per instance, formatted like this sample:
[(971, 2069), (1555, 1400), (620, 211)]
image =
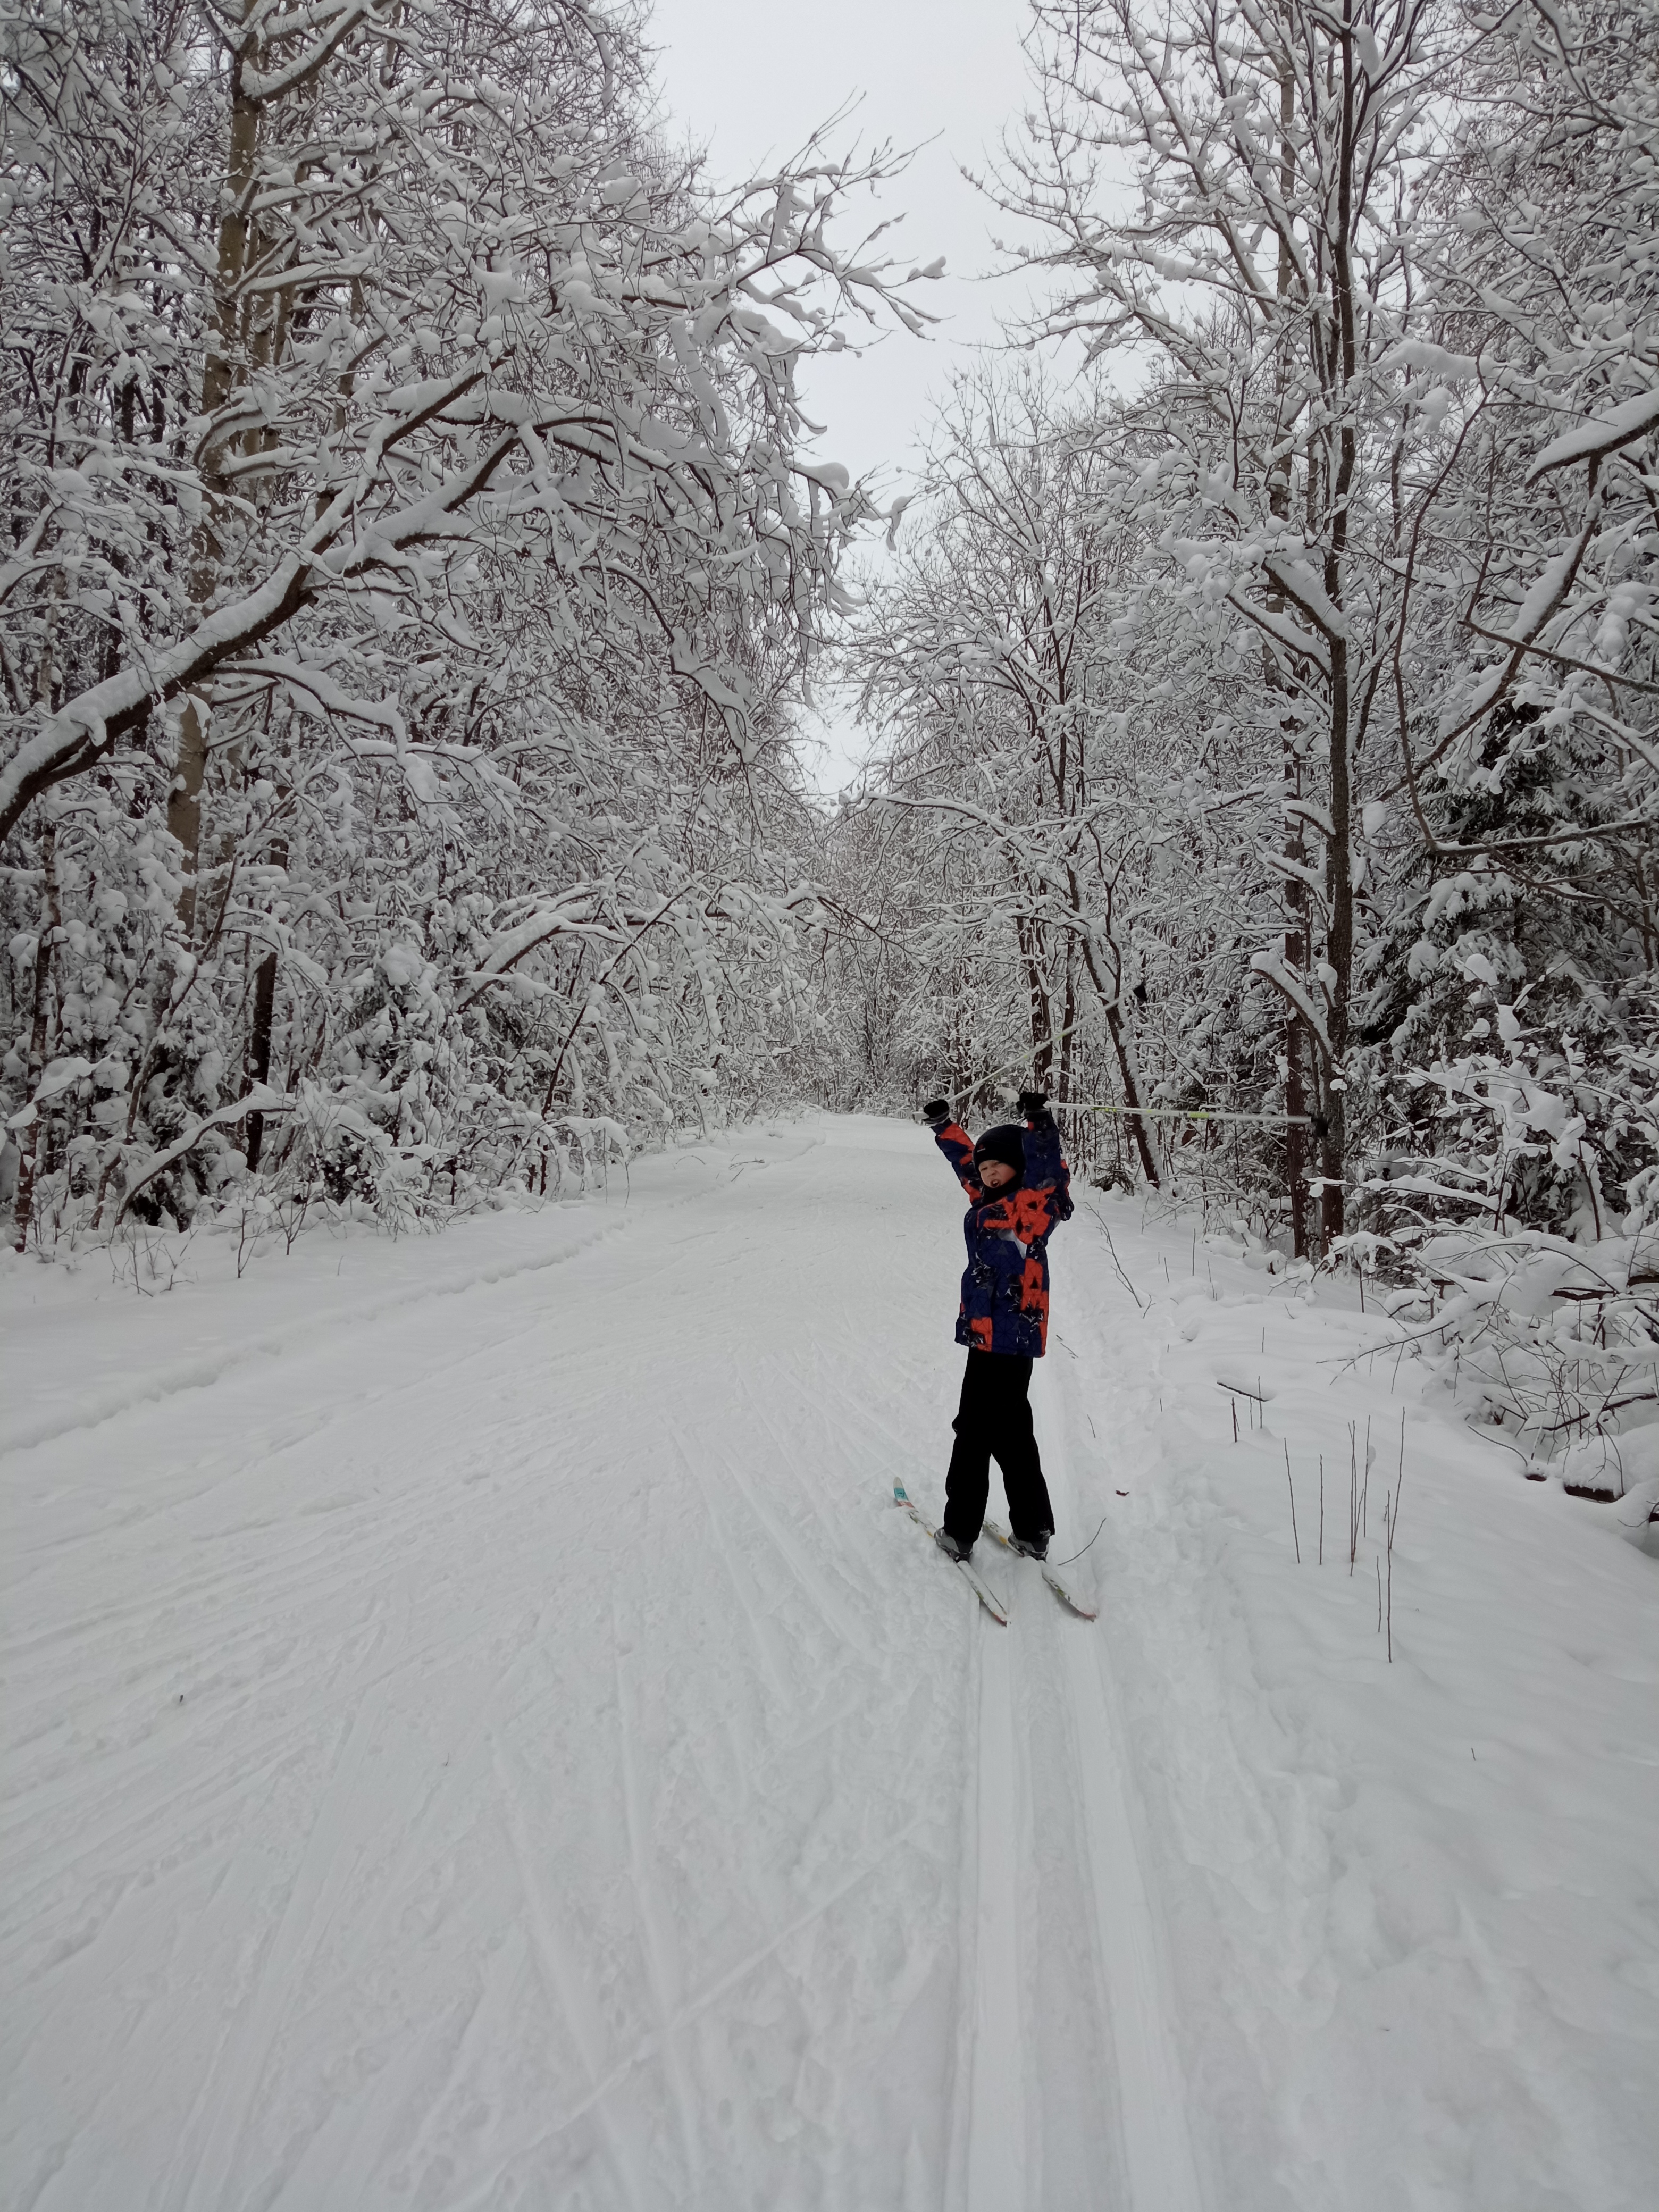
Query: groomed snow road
[(480, 1735)]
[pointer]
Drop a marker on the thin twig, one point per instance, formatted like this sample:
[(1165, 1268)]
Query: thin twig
[(1295, 1538), (1077, 1555), (1393, 1516), (1118, 1263)]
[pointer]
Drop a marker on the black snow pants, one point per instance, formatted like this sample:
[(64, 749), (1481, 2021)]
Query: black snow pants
[(993, 1421)]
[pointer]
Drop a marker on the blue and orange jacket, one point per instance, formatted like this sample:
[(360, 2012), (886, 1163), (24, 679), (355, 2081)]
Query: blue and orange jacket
[(1005, 1286)]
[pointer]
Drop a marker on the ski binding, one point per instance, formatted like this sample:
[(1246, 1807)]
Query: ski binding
[(1051, 1575)]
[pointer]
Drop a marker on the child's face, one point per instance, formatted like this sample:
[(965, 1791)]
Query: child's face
[(995, 1175)]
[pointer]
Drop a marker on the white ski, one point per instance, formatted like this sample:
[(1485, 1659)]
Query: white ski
[(1051, 1575), (983, 1591)]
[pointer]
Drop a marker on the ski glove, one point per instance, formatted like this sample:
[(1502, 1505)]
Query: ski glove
[(1033, 1103), (936, 1113)]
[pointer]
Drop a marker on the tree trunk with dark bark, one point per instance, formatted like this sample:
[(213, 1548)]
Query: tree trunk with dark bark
[(28, 1137)]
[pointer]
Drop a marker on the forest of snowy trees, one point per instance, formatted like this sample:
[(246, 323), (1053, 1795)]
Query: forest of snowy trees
[(412, 560), (418, 557)]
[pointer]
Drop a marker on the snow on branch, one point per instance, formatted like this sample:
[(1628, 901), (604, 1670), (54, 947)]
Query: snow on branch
[(1602, 434), (259, 1099), (1293, 987)]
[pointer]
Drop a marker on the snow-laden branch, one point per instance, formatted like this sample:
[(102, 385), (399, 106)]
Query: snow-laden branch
[(1602, 434), (1296, 992), (259, 1099)]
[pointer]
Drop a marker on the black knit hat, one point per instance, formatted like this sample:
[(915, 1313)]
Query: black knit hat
[(1006, 1143)]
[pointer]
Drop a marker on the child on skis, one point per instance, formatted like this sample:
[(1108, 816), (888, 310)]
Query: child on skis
[(1019, 1192)]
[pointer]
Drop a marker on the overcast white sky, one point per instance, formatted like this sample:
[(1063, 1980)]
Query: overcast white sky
[(753, 78)]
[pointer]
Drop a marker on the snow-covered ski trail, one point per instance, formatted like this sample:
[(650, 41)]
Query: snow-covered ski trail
[(996, 2152), (498, 1745), (1075, 2092), (1154, 2144)]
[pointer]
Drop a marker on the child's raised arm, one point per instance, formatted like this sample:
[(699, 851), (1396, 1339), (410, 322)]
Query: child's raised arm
[(954, 1141), (1047, 1183)]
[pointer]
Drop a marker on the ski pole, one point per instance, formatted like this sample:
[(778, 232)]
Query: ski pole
[(1133, 1113), (1178, 1113)]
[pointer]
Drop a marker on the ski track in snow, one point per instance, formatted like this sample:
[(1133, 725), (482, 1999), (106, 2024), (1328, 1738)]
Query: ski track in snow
[(505, 1749), (996, 2132)]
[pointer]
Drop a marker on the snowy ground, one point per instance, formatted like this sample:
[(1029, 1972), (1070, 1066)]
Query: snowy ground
[(478, 1735)]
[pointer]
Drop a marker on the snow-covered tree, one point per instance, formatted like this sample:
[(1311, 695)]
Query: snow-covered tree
[(1262, 263)]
